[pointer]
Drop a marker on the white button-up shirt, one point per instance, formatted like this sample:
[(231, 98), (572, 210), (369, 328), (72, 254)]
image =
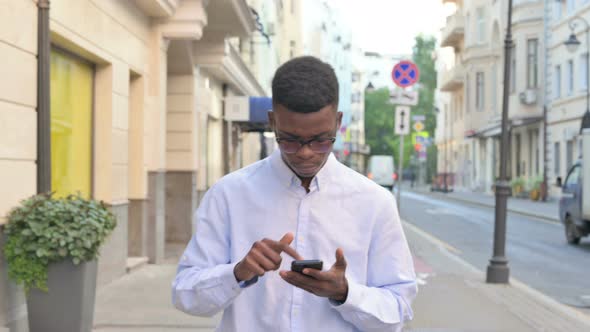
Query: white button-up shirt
[(266, 200)]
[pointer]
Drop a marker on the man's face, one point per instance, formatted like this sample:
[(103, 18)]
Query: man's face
[(323, 124)]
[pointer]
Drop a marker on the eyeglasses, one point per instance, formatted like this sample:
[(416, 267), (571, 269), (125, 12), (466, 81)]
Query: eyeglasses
[(317, 145)]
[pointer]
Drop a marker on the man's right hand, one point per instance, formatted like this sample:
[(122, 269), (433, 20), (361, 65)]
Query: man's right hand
[(265, 255)]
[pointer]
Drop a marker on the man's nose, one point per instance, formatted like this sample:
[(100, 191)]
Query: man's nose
[(305, 152)]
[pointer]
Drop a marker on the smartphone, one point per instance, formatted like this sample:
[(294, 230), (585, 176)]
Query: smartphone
[(298, 266)]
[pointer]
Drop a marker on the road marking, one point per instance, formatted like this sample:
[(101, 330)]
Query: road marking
[(458, 201), (540, 297), (433, 238)]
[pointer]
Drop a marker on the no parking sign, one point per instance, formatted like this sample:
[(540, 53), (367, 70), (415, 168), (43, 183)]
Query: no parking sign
[(405, 74)]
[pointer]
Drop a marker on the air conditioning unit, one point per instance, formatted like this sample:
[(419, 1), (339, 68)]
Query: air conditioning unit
[(270, 29), (528, 97)]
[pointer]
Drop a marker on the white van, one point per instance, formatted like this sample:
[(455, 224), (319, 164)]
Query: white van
[(381, 169)]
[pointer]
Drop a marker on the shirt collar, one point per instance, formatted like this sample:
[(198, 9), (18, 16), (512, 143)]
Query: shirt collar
[(287, 177)]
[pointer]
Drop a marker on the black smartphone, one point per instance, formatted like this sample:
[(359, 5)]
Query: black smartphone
[(298, 266)]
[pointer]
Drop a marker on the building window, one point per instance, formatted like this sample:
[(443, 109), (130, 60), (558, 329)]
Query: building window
[(532, 62), (71, 124), (570, 77), (513, 68), (583, 71), (468, 30), (479, 91), (517, 156), (556, 158), (571, 6), (481, 25), (292, 49), (467, 94), (569, 154), (558, 9), (494, 84), (557, 81)]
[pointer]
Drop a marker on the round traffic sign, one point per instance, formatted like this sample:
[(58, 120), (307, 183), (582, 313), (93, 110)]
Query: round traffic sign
[(418, 126), (405, 74)]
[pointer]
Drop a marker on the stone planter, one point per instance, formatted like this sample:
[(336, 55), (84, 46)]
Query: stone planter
[(69, 303)]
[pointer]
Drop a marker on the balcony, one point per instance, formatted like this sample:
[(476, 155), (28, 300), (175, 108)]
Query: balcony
[(452, 79), (454, 30)]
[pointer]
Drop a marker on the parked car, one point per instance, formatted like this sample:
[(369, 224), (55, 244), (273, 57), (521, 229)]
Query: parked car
[(381, 169), (571, 210)]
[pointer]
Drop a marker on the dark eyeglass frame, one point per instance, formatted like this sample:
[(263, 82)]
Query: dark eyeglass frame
[(305, 142)]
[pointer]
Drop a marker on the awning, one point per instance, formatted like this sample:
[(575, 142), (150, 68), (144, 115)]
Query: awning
[(495, 129), (250, 113)]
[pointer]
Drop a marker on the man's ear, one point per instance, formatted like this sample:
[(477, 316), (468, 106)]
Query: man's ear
[(339, 119), (271, 120)]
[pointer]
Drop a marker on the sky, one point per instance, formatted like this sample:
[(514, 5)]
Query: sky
[(389, 26)]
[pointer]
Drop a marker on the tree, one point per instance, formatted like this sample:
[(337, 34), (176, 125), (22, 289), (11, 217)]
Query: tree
[(379, 113), (379, 126), (423, 57)]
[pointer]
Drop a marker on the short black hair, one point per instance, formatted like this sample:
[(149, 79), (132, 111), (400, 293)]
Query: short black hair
[(305, 85)]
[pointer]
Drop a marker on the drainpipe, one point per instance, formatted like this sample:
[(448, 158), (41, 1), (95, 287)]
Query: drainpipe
[(43, 102), (225, 132)]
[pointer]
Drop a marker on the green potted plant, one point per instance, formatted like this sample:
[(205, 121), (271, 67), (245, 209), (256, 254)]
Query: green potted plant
[(535, 188), (518, 186), (52, 247)]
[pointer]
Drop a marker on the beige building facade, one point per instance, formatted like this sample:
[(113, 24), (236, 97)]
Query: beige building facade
[(469, 139), (150, 79), (566, 86)]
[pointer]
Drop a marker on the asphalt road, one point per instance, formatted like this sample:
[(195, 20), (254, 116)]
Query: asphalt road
[(537, 251)]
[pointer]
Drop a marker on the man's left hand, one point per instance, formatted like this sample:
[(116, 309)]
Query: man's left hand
[(331, 284)]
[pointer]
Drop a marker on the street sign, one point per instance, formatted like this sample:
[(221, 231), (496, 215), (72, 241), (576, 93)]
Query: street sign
[(418, 126), (405, 74), (402, 120), (422, 155), (402, 97), (420, 118), (420, 137)]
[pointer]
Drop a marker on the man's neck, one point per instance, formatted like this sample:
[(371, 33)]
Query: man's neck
[(305, 182)]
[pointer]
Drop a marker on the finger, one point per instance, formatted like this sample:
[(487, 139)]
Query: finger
[(269, 253), (252, 266), (340, 260), (287, 238), (319, 275), (262, 261), (295, 284), (283, 247), (301, 281), (285, 242), (291, 252)]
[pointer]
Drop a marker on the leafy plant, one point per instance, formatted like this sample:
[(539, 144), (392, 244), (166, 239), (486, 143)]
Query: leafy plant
[(44, 229), (517, 186)]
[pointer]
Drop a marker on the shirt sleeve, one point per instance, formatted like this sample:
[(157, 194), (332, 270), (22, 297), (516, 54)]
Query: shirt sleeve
[(383, 304), (205, 283)]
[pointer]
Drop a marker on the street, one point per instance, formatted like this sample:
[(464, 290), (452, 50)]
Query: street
[(536, 249)]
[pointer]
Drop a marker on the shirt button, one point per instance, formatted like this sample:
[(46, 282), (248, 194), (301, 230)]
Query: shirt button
[(184, 258)]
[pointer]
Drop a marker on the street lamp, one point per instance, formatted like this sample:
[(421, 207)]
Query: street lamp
[(572, 44), (498, 271)]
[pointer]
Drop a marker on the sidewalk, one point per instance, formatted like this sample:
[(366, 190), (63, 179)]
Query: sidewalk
[(544, 210), (452, 297), (140, 302)]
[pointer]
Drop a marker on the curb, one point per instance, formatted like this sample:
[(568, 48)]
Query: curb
[(523, 213), (528, 291)]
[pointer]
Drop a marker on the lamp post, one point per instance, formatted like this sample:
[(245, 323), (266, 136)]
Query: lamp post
[(572, 45), (498, 271)]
